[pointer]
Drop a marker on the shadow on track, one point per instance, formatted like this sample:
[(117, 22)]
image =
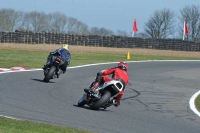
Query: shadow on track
[(88, 108), (41, 80)]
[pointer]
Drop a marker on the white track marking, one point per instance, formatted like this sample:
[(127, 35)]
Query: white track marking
[(192, 103)]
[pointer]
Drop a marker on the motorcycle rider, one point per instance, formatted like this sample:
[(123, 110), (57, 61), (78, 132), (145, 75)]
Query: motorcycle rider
[(65, 56), (119, 72)]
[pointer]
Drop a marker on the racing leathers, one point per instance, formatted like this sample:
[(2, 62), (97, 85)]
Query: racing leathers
[(117, 73), (63, 54)]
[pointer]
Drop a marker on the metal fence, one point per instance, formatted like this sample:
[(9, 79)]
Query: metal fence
[(28, 37)]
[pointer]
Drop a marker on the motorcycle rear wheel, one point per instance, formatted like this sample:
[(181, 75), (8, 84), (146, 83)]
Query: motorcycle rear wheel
[(49, 74), (104, 98)]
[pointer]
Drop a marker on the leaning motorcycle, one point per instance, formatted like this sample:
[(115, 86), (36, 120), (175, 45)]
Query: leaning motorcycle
[(52, 70), (103, 96)]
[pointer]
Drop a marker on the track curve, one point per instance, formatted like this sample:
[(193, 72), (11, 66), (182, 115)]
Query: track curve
[(156, 99)]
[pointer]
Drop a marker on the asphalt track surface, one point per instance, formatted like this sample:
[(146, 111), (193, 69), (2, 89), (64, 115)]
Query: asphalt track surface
[(155, 101)]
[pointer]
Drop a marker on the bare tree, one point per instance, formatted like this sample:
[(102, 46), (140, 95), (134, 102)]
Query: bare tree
[(76, 27), (36, 21), (83, 29), (95, 31), (142, 35), (80, 28), (71, 25), (106, 32), (192, 16), (9, 19), (57, 22), (122, 33), (21, 24), (160, 25), (101, 31)]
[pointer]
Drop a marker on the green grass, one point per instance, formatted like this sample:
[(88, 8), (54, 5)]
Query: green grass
[(197, 103), (24, 126), (35, 59)]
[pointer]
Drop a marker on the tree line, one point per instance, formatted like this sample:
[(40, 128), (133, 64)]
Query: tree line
[(162, 24)]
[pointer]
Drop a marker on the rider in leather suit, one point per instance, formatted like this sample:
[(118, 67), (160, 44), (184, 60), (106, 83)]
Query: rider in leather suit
[(65, 55), (117, 72)]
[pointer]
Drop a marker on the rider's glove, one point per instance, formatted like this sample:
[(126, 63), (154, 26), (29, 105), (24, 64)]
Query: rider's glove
[(99, 73), (116, 103), (52, 53)]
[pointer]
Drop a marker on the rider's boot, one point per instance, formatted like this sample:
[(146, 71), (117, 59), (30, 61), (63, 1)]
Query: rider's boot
[(59, 72), (45, 67), (47, 63), (64, 69)]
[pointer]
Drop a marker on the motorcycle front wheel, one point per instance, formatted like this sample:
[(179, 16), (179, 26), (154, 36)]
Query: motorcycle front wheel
[(81, 102), (49, 74), (99, 103)]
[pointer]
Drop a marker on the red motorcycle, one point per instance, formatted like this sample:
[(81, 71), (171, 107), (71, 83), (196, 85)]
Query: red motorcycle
[(103, 96)]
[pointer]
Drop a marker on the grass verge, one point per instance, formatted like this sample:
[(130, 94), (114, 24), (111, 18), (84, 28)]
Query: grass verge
[(197, 103), (36, 59), (24, 126)]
